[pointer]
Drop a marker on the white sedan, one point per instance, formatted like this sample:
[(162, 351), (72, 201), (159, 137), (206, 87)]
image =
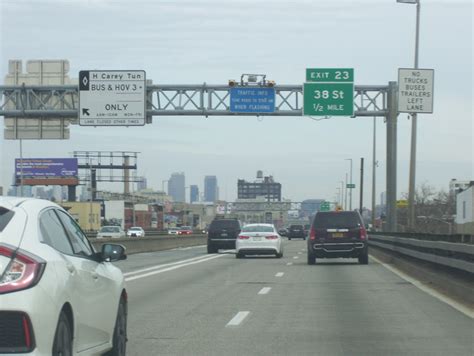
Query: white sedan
[(259, 239), (136, 231), (57, 295)]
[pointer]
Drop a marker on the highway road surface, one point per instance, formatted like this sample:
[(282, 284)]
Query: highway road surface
[(188, 302)]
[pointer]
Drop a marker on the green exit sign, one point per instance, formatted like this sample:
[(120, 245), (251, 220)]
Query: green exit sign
[(325, 206), (350, 186), (328, 92), (330, 75)]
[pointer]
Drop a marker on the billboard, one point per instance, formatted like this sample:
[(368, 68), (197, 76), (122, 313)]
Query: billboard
[(46, 171)]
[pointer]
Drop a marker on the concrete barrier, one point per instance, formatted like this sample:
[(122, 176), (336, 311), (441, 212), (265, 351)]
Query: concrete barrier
[(151, 244)]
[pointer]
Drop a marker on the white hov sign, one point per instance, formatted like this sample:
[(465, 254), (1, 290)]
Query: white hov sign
[(415, 90), (112, 98)]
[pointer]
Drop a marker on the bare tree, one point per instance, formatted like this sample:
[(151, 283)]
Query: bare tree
[(434, 210)]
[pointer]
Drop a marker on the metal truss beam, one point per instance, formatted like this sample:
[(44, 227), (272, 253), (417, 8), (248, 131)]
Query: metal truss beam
[(169, 100)]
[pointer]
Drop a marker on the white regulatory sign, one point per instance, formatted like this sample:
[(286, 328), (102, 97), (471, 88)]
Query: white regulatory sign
[(415, 90), (112, 97)]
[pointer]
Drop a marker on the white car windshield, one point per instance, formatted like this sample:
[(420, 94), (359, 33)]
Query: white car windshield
[(135, 229), (110, 229)]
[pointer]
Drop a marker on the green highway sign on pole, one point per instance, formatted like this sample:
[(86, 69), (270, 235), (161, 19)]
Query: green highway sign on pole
[(328, 99), (350, 186), (329, 92), (325, 206)]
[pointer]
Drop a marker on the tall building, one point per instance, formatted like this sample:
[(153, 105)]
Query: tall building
[(309, 207), (142, 184), (194, 193), (210, 189), (265, 187), (176, 188)]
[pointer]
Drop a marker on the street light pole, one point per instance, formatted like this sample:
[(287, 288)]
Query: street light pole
[(342, 193), (412, 178), (374, 165), (350, 178)]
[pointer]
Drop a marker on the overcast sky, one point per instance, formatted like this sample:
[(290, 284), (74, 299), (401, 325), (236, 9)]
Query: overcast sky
[(191, 42)]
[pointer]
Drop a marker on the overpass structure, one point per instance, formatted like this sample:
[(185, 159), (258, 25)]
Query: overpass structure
[(60, 104)]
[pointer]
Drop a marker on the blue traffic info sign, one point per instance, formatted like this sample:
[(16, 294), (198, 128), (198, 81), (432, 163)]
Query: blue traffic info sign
[(256, 100), (329, 92)]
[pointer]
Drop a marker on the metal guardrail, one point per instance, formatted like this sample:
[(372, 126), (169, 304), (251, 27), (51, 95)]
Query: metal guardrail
[(454, 255), (458, 238)]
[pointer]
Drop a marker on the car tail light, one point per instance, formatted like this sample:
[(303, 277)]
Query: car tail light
[(271, 237), (244, 237), (312, 234), (23, 270), (362, 233)]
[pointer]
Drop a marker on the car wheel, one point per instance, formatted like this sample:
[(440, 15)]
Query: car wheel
[(311, 259), (279, 255), (364, 259), (239, 255), (119, 342), (289, 238), (62, 345), (211, 249)]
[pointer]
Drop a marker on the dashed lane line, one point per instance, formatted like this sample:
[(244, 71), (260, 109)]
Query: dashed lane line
[(265, 290), (238, 318), (279, 274)]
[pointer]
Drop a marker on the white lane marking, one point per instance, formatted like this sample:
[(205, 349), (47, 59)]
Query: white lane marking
[(289, 263), (279, 274), (165, 265), (299, 253), (188, 248), (295, 257), (128, 279), (238, 318), (265, 290), (458, 306)]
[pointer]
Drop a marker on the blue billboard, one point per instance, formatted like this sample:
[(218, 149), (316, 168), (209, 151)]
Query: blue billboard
[(252, 100), (46, 167)]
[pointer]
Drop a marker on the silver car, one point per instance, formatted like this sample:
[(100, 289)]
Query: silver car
[(259, 239), (114, 232)]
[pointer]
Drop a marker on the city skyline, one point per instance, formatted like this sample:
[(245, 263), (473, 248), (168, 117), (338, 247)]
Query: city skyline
[(307, 155)]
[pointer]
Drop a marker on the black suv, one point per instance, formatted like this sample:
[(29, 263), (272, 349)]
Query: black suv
[(222, 233), (336, 234), (296, 232)]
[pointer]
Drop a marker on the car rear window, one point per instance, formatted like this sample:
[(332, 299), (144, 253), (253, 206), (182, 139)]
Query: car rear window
[(5, 217), (224, 224), (336, 220), (257, 228), (296, 227)]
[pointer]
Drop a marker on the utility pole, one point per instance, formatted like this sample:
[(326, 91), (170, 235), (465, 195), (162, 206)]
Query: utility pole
[(350, 191), (392, 157), (411, 185), (374, 166)]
